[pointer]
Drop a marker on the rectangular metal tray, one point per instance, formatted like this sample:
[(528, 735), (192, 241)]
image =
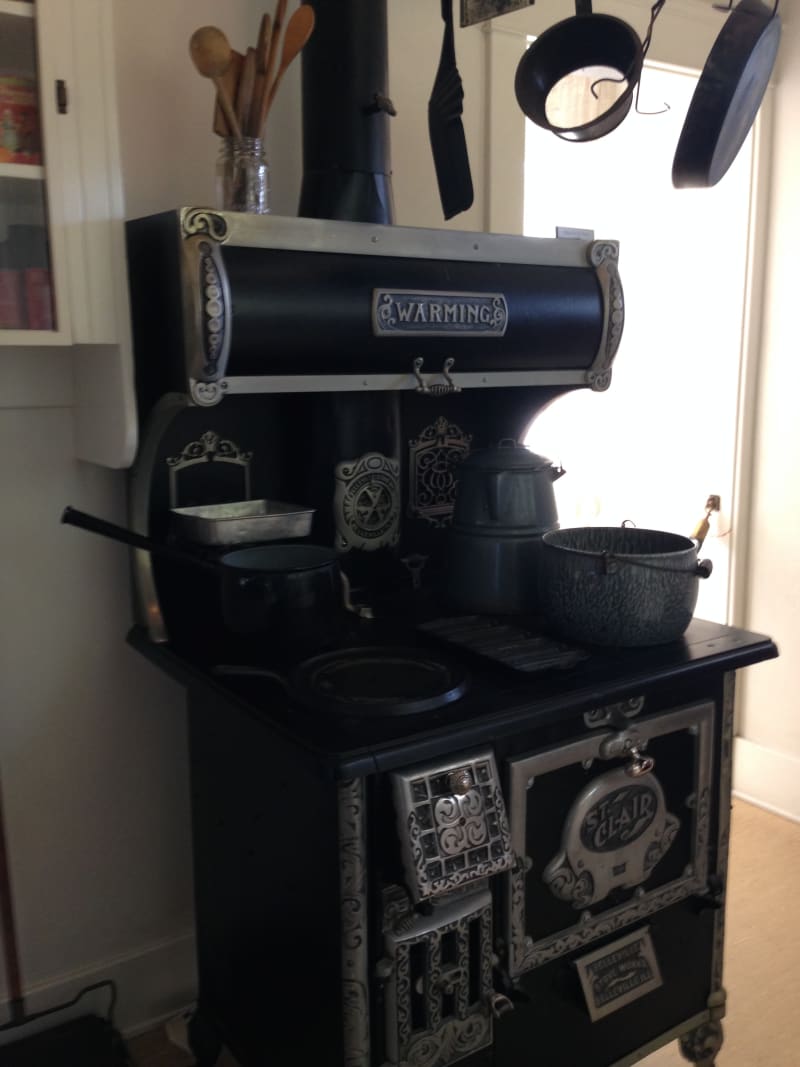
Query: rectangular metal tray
[(241, 521)]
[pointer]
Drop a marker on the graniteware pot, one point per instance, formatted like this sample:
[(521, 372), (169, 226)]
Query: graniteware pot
[(619, 586)]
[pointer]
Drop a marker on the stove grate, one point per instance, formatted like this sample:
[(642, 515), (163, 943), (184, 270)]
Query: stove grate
[(510, 643)]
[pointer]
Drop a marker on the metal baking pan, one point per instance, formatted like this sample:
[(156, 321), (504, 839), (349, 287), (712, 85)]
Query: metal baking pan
[(241, 521)]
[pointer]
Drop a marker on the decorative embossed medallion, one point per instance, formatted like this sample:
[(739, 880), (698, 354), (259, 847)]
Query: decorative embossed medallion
[(452, 824), (433, 460), (438, 314), (615, 833), (367, 502)]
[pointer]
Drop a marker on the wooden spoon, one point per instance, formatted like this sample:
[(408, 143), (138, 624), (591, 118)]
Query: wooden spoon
[(262, 60), (244, 96), (298, 30), (230, 81), (275, 43), (211, 55)]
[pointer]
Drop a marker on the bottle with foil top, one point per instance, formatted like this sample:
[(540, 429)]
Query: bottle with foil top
[(243, 175)]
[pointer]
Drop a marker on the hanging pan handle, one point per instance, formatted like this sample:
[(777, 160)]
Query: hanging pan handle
[(74, 517)]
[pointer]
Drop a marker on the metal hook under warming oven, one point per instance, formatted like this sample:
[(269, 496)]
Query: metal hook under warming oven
[(436, 388)]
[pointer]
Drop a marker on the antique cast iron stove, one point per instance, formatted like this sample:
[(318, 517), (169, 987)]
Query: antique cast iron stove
[(446, 839)]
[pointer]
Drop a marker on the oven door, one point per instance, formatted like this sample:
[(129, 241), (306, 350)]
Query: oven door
[(607, 830)]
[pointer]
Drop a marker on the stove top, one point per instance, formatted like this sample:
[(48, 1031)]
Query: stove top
[(485, 699)]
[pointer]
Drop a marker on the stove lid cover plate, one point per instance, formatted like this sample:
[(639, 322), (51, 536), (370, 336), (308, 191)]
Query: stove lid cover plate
[(379, 681)]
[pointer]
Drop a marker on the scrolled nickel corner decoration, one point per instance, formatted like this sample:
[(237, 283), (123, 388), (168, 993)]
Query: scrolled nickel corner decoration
[(208, 303), (195, 221), (208, 448), (206, 394), (354, 933), (604, 257)]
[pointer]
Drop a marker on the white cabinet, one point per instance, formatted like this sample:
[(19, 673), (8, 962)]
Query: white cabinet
[(63, 280)]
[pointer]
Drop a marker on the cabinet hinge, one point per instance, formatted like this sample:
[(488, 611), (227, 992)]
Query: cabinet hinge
[(61, 96)]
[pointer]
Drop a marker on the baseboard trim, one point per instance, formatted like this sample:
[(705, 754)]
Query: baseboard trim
[(153, 983), (766, 778)]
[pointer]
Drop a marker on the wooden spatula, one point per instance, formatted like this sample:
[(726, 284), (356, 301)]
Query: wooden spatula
[(298, 30)]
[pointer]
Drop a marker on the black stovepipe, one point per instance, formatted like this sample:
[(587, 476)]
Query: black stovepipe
[(346, 112)]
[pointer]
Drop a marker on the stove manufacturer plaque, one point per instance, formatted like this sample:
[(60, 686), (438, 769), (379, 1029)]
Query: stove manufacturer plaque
[(619, 973)]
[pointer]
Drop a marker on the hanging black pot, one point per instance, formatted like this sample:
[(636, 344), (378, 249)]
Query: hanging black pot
[(583, 40), (728, 95)]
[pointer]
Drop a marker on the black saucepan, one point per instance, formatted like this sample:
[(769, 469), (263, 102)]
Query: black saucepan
[(290, 592), (728, 95), (584, 40)]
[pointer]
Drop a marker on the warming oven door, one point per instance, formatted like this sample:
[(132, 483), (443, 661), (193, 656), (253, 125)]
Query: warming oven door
[(607, 831)]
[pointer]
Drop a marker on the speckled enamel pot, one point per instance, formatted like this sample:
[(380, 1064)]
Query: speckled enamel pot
[(619, 586)]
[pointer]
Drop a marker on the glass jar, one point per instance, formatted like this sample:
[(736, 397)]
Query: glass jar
[(243, 175)]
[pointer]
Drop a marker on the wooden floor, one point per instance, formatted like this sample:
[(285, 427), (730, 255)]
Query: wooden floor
[(762, 962)]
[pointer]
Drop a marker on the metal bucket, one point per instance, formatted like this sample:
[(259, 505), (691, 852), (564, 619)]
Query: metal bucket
[(619, 586)]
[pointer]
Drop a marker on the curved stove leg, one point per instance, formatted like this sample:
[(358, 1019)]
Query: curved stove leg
[(701, 1045), (204, 1042)]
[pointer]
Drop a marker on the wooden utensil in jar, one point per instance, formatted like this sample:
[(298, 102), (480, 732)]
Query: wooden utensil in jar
[(274, 47), (230, 80), (262, 61), (244, 95), (211, 54), (298, 30)]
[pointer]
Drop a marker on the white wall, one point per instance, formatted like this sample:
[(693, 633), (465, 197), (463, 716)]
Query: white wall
[(92, 738), (768, 755)]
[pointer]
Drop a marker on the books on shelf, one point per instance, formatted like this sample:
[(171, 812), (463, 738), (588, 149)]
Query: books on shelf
[(20, 133)]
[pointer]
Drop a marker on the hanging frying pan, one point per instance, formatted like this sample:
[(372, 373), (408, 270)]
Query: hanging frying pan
[(582, 41), (728, 95)]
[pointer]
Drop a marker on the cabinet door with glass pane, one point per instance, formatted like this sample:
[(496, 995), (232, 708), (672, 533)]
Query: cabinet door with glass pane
[(32, 310)]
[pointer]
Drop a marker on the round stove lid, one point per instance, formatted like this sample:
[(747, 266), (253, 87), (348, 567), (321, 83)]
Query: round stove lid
[(379, 681)]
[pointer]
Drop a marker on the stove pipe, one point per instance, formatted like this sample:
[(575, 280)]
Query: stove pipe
[(346, 110)]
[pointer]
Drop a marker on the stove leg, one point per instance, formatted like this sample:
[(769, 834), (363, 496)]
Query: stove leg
[(204, 1042), (701, 1045)]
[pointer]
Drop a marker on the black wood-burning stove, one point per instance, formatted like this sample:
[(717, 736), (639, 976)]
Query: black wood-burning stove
[(441, 838), (413, 850)]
